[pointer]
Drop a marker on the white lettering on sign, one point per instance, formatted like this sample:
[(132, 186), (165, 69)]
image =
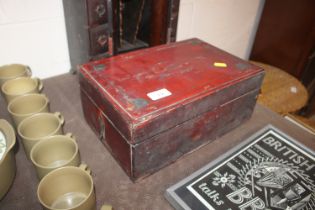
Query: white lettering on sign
[(244, 194), (255, 203), (289, 153), (156, 95), (239, 195), (211, 193)]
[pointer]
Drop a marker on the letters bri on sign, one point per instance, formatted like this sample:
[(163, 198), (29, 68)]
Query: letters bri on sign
[(268, 171)]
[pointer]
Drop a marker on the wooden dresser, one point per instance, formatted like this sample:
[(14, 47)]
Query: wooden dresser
[(103, 28)]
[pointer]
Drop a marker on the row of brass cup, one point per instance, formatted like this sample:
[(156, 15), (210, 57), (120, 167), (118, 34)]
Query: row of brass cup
[(64, 183)]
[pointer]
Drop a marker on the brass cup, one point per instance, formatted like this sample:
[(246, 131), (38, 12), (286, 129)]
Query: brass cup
[(26, 105), (13, 71), (21, 86), (38, 127), (55, 152), (68, 188)]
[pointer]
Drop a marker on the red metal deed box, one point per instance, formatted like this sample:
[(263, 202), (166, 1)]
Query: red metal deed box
[(151, 106)]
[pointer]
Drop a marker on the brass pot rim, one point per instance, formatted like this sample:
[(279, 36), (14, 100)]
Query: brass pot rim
[(9, 133)]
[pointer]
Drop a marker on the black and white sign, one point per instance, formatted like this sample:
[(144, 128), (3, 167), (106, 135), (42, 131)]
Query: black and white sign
[(268, 171)]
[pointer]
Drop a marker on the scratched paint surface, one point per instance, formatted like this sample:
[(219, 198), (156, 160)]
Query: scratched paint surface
[(152, 90), (151, 106), (144, 158), (186, 69)]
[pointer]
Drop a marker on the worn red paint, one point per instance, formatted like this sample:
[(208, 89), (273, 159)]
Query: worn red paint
[(205, 102)]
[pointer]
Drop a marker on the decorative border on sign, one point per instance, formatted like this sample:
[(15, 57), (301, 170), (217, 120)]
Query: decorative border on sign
[(265, 181)]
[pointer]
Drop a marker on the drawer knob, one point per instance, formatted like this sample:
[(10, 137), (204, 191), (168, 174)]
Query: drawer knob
[(100, 10), (102, 40)]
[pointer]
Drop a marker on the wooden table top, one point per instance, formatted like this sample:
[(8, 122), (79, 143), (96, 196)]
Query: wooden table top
[(280, 91), (112, 185)]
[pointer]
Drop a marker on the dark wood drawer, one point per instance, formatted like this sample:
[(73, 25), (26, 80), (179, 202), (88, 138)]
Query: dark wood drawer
[(98, 39), (97, 12)]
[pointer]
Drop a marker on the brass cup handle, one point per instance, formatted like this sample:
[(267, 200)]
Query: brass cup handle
[(60, 118), (84, 167), (39, 82), (102, 40), (28, 71), (71, 136)]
